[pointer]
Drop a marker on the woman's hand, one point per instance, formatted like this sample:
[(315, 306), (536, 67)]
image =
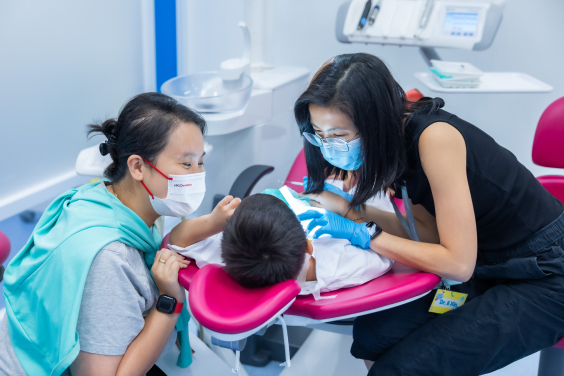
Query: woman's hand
[(165, 273), (223, 211), (329, 201), (337, 227)]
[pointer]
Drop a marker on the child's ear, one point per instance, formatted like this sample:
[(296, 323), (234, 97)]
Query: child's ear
[(309, 248)]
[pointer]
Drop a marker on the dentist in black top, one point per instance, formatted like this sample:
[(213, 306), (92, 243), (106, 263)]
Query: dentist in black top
[(482, 217)]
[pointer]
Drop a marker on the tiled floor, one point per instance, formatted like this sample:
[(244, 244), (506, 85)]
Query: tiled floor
[(18, 232), (525, 367), (271, 369)]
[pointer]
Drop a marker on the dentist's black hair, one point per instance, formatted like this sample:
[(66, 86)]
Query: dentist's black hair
[(143, 128), (361, 86)]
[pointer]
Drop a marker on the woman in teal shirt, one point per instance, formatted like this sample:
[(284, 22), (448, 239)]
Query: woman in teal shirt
[(79, 296)]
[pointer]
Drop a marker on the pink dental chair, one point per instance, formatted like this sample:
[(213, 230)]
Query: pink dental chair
[(548, 151), (4, 252), (231, 313)]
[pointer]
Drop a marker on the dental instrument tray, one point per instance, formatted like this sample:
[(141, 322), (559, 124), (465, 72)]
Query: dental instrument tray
[(451, 74), (491, 82)]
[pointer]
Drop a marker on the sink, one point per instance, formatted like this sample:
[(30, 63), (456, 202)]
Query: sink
[(208, 92)]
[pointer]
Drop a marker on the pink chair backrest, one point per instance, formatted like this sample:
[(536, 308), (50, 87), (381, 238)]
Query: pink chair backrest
[(553, 184), (4, 247), (297, 172), (548, 146)]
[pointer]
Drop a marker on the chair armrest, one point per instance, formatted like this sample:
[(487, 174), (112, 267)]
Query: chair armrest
[(247, 180)]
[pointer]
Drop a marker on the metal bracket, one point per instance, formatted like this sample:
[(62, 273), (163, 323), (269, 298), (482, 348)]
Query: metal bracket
[(428, 54)]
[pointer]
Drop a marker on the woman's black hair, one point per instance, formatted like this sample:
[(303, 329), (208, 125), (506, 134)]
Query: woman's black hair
[(143, 128), (360, 86)]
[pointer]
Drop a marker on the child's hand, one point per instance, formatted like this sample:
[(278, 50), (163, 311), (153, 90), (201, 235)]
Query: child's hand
[(223, 211)]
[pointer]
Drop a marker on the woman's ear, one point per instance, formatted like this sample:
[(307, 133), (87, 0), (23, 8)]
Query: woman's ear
[(136, 167)]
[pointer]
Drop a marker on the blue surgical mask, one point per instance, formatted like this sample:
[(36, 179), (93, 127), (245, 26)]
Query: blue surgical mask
[(347, 160)]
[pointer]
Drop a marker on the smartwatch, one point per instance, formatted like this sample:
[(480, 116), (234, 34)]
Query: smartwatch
[(167, 304), (373, 229)]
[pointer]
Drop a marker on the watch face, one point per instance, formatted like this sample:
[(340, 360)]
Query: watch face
[(166, 304)]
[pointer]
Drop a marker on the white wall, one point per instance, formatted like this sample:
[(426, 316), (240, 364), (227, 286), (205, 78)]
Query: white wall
[(529, 40), (63, 63)]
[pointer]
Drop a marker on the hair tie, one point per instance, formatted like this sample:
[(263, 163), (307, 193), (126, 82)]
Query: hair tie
[(104, 149), (106, 145), (438, 102)]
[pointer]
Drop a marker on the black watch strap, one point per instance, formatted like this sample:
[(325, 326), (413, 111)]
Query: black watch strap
[(373, 229)]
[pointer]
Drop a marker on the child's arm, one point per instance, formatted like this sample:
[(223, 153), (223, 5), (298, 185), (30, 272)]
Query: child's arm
[(193, 230)]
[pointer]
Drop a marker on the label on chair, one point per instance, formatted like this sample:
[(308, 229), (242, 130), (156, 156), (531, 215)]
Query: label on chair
[(446, 300)]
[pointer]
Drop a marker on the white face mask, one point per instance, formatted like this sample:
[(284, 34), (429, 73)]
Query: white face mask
[(305, 267), (184, 196), (308, 287)]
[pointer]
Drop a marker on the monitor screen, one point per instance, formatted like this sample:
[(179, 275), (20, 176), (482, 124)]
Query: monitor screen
[(461, 23)]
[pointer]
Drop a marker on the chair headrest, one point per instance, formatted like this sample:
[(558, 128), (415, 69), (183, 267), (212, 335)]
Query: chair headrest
[(222, 305), (185, 276), (4, 247), (548, 146)]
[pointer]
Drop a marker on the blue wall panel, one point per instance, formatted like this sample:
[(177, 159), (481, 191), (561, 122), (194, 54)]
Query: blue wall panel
[(165, 40)]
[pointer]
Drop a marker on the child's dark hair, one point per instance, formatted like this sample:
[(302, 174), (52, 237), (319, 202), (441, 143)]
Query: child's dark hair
[(263, 242), (143, 128)]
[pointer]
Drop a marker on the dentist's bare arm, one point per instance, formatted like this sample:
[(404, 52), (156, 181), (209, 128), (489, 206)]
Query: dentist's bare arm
[(442, 150), (426, 223)]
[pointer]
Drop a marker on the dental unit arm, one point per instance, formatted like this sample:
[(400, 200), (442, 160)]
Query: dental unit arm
[(428, 24), (232, 69), (468, 25)]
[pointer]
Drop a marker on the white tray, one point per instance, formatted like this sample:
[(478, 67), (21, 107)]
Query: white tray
[(492, 82)]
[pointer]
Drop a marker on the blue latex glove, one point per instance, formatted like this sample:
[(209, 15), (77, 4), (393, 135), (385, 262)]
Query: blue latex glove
[(337, 226), (331, 188)]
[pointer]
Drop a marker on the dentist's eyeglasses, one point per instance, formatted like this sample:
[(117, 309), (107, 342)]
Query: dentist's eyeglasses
[(336, 143)]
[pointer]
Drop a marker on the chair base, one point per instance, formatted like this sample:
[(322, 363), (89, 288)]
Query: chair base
[(260, 350), (551, 362)]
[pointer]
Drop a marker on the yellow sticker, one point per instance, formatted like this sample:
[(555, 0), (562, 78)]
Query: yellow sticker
[(446, 300)]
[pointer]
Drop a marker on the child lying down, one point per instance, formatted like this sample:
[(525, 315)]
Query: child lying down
[(264, 243)]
